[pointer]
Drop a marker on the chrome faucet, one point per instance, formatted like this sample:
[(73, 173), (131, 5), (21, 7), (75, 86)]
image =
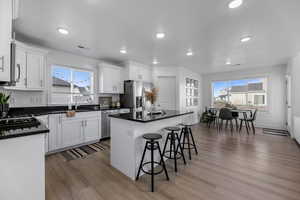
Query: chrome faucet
[(76, 103)]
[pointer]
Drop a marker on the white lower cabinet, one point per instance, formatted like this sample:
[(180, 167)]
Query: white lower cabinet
[(71, 131), (92, 129), (54, 141), (45, 120)]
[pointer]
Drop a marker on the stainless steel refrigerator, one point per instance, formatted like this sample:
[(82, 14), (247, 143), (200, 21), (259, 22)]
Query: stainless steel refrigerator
[(134, 94)]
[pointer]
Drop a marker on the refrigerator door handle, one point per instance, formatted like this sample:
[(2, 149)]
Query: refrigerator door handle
[(13, 64)]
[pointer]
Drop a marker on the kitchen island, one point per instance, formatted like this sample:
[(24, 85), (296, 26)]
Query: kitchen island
[(22, 162), (127, 130)]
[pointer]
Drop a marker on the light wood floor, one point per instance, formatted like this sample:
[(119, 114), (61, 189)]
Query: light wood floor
[(262, 167)]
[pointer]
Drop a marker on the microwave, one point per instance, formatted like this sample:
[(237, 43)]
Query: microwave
[(7, 67)]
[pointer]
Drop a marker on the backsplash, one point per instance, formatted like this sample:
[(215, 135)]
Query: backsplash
[(26, 98), (38, 98)]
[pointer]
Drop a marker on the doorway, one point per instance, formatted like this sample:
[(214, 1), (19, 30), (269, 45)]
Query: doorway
[(288, 104), (167, 92)]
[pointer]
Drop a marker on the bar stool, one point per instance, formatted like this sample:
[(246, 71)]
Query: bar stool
[(173, 153), (186, 133), (152, 144)]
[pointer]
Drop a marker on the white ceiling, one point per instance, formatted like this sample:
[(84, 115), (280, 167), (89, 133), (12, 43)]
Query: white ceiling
[(207, 26)]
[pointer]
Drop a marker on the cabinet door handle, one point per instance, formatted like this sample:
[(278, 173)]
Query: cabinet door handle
[(19, 72), (85, 123), (25, 80), (41, 83), (2, 65)]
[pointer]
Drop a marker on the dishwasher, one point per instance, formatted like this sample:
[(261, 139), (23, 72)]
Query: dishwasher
[(105, 121)]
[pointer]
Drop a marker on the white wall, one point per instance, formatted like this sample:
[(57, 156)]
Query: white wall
[(180, 73), (275, 116), (293, 70)]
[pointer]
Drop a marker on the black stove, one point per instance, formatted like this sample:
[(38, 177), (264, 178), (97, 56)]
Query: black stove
[(20, 126), (18, 123)]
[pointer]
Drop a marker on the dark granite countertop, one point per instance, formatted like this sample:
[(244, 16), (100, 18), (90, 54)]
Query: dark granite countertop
[(21, 132), (46, 110), (144, 117)]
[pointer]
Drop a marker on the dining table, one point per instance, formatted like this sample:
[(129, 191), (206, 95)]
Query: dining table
[(244, 112)]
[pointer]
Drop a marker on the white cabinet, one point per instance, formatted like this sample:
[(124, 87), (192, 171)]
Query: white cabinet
[(44, 119), (54, 130), (110, 79), (71, 130), (5, 38), (30, 68), (35, 70), (66, 132), (92, 129), (138, 72)]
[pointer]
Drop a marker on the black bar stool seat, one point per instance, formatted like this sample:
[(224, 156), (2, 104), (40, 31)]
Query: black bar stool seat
[(172, 128), (186, 133), (174, 140), (152, 136), (152, 145)]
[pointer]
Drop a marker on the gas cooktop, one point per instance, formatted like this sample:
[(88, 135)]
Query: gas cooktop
[(20, 126), (18, 123)]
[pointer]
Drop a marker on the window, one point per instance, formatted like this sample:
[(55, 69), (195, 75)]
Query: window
[(70, 85), (192, 92), (244, 93)]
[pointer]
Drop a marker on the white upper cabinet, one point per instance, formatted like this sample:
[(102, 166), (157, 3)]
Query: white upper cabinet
[(35, 70), (6, 13), (110, 79), (30, 68), (138, 72)]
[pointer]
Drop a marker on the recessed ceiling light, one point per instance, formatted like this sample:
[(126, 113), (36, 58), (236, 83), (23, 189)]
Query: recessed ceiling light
[(155, 62), (246, 39), (123, 51), (190, 53), (63, 31), (228, 62), (160, 35), (235, 3)]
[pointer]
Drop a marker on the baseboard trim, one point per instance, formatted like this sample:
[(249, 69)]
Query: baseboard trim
[(297, 143)]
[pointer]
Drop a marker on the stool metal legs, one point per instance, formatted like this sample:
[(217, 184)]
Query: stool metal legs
[(186, 133), (153, 146), (173, 137)]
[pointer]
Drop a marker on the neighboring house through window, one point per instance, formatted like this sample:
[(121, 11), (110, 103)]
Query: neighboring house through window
[(244, 93), (71, 85)]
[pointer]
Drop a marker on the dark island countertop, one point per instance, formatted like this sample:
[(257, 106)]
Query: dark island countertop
[(144, 117), (47, 110)]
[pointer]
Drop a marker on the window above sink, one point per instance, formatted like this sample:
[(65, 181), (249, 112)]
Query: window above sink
[(71, 85)]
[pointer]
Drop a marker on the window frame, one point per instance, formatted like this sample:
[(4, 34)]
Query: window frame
[(265, 76), (73, 68)]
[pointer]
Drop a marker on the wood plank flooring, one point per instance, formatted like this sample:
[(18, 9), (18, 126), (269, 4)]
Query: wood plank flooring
[(260, 167)]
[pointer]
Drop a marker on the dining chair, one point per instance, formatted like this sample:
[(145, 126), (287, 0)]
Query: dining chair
[(212, 117), (249, 121), (235, 116), (225, 114)]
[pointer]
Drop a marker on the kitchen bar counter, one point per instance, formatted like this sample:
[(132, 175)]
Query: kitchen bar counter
[(127, 143), (146, 117), (47, 110)]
